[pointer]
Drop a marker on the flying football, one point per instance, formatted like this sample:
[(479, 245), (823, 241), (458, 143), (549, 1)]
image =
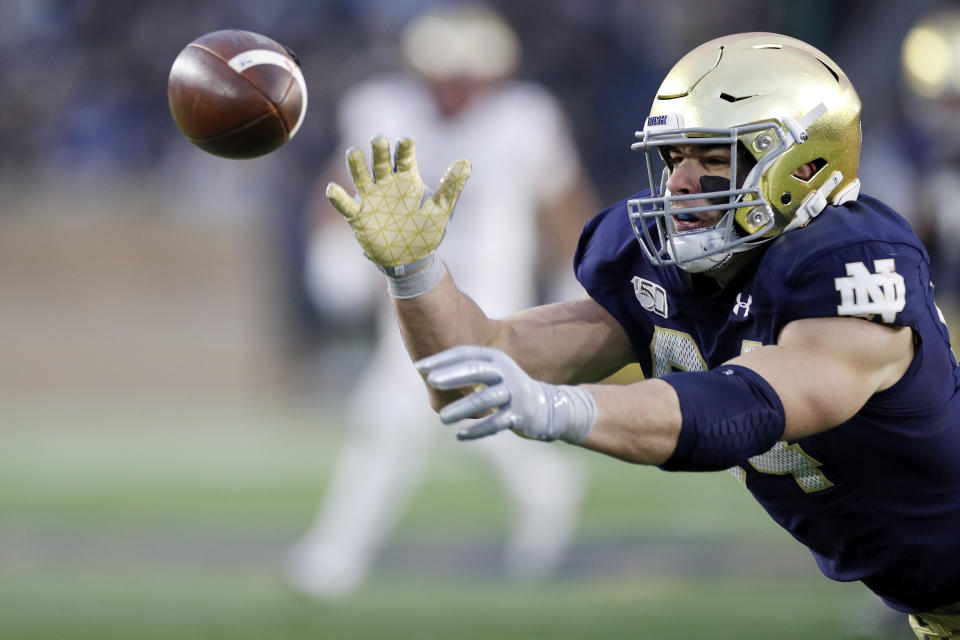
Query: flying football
[(237, 94)]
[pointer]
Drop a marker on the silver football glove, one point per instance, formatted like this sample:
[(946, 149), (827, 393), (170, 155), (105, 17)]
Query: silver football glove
[(530, 408)]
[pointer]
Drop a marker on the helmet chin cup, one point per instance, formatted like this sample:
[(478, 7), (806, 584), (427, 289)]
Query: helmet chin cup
[(697, 251)]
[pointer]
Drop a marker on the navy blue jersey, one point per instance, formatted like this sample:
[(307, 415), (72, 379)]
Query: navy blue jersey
[(875, 499)]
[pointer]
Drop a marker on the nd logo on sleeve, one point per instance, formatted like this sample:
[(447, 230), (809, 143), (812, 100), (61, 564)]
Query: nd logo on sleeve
[(863, 293)]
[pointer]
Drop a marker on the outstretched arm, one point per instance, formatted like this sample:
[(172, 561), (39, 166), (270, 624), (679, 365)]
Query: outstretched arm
[(399, 225), (821, 372), (564, 342)]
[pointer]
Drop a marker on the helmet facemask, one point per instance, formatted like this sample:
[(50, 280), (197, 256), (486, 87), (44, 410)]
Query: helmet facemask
[(746, 217)]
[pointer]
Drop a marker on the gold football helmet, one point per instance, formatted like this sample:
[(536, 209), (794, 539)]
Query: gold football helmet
[(782, 104)]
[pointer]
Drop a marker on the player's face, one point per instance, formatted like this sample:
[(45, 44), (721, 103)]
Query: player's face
[(689, 164), (453, 95)]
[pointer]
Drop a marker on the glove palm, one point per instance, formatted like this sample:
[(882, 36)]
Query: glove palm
[(394, 218)]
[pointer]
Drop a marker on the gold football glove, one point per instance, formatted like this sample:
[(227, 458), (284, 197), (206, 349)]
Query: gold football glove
[(392, 220)]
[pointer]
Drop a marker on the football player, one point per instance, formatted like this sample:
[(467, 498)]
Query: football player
[(785, 322), (460, 92)]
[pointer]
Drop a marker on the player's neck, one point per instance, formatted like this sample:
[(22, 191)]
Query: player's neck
[(713, 282)]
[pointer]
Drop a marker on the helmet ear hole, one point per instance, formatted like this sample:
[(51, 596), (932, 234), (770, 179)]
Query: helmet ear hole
[(809, 171), (785, 197)]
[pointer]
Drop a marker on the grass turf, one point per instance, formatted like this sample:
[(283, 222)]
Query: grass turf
[(163, 522)]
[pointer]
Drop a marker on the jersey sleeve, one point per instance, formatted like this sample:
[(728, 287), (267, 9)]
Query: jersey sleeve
[(885, 281), (606, 252), (609, 263)]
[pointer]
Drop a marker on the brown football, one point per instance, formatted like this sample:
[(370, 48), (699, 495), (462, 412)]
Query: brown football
[(237, 94)]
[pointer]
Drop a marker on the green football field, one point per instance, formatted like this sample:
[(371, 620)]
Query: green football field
[(142, 520)]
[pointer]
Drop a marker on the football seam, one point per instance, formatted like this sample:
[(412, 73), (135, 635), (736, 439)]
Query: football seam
[(273, 107), (232, 131)]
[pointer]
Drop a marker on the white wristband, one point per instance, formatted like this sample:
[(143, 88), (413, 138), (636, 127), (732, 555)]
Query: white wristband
[(580, 415), (415, 284)]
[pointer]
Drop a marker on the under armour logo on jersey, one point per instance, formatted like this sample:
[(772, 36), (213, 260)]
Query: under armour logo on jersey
[(863, 293), (652, 296), (742, 305)]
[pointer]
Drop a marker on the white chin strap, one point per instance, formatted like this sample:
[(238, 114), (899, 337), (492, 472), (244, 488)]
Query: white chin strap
[(817, 201), (814, 203)]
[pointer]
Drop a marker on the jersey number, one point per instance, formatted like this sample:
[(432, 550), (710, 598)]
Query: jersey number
[(677, 351)]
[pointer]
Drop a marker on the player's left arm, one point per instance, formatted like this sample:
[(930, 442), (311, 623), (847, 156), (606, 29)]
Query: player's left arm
[(818, 375), (825, 369)]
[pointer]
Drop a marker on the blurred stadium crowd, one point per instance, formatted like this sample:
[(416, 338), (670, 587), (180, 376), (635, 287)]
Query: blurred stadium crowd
[(88, 89), (85, 122)]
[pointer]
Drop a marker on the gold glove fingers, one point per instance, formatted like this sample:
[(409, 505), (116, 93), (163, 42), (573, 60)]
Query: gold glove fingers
[(393, 223)]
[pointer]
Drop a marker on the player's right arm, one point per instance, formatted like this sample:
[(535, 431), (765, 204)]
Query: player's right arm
[(399, 225), (562, 343)]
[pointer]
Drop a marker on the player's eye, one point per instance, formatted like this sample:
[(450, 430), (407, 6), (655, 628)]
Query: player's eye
[(716, 161)]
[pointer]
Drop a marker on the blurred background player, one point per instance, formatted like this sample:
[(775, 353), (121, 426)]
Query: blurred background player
[(528, 212)]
